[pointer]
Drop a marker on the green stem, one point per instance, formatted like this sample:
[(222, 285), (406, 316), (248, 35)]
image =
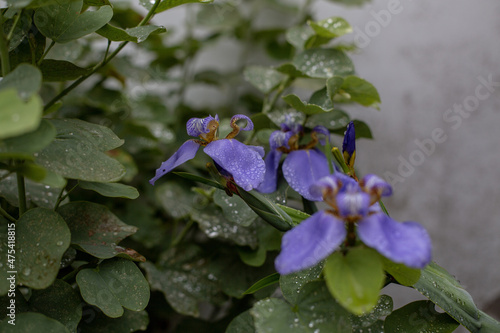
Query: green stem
[(383, 207), (7, 215), (62, 197), (267, 107), (21, 192), (4, 50), (45, 53), (183, 233), (16, 20), (75, 84)]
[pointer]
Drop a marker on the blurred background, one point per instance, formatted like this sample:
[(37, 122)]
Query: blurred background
[(436, 66)]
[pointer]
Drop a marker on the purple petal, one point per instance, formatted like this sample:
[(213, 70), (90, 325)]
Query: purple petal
[(260, 150), (244, 163), (324, 131), (280, 139), (249, 125), (349, 144), (407, 243), (310, 242), (290, 124), (270, 182), (375, 184), (331, 184), (197, 126), (302, 168), (353, 202), (185, 153)]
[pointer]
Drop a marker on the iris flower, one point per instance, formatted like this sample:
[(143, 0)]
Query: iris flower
[(303, 165), (352, 203), (244, 163)]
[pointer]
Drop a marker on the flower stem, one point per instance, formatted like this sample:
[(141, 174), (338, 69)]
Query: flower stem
[(351, 234), (21, 192), (4, 50), (106, 60), (16, 20), (7, 215), (45, 53)]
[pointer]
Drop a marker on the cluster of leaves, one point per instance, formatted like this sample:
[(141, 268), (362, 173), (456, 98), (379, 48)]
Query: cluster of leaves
[(74, 158)]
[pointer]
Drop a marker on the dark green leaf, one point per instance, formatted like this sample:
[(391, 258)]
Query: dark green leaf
[(65, 22), (243, 323), (177, 200), (355, 279), (43, 237), (97, 231), (441, 288), (136, 35), (262, 283), (263, 78), (419, 317), (383, 308), (262, 121), (323, 63), (18, 117), (200, 179), (97, 3), (306, 108), (60, 302), (114, 190), (234, 208), (77, 152), (24, 146), (292, 283), (130, 321), (61, 70), (115, 284), (167, 4), (334, 120), (269, 240), (404, 275), (32, 322), (26, 79)]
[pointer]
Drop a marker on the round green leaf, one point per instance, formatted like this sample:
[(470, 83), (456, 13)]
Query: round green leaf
[(234, 208), (404, 275), (383, 308), (18, 117), (77, 152), (323, 63), (61, 70), (130, 321), (175, 199), (243, 323), (334, 120), (113, 190), (60, 302), (306, 108), (65, 22), (263, 78), (355, 279), (24, 146), (115, 284), (360, 91), (331, 27), (291, 284), (26, 79), (419, 317), (96, 230), (42, 239), (299, 35), (32, 322), (136, 35)]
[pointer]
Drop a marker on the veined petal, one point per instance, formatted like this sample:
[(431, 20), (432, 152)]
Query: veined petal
[(244, 163), (349, 144), (331, 184), (407, 243), (270, 182), (260, 150), (310, 242), (248, 126), (376, 185), (290, 124), (325, 134), (302, 168), (280, 139), (185, 153), (198, 126), (353, 202)]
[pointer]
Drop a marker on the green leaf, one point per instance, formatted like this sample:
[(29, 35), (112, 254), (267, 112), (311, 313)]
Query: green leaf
[(291, 284), (262, 121), (299, 35), (441, 288), (315, 310), (115, 284), (136, 35), (65, 22), (355, 279), (296, 215), (269, 240), (263, 78), (130, 321), (488, 324), (168, 4), (334, 120), (331, 27), (419, 317), (32, 171), (323, 63), (97, 231), (113, 190), (18, 117), (360, 91), (404, 275), (291, 70), (333, 85), (383, 308), (243, 323), (24, 146), (199, 179), (32, 322), (306, 108), (78, 152), (43, 237), (26, 79), (97, 3), (60, 302), (61, 70), (176, 199), (262, 283), (234, 208)]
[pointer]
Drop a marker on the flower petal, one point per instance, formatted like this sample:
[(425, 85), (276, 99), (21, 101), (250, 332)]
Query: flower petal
[(353, 202), (248, 126), (407, 243), (310, 242), (198, 126), (260, 150), (376, 185), (280, 139), (325, 134), (270, 182), (302, 168), (185, 153), (244, 163), (349, 144)]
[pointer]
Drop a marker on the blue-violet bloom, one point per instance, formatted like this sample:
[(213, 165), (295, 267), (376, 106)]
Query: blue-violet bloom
[(357, 203), (244, 163), (349, 145), (303, 165)]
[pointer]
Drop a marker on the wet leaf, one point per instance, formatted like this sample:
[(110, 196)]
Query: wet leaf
[(334, 120), (243, 323), (292, 283), (113, 190), (42, 238), (177, 200), (26, 79), (32, 322), (61, 70), (323, 63), (263, 78), (130, 321), (24, 146), (96, 230), (383, 308), (168, 4), (234, 209), (262, 283), (18, 117), (115, 284), (136, 35), (331, 27), (306, 108)]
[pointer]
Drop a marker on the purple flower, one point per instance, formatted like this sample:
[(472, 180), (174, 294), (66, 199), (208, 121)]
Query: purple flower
[(321, 234), (303, 165), (243, 163), (349, 145)]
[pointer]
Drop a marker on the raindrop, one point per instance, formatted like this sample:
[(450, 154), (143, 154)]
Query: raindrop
[(59, 243), (27, 271)]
